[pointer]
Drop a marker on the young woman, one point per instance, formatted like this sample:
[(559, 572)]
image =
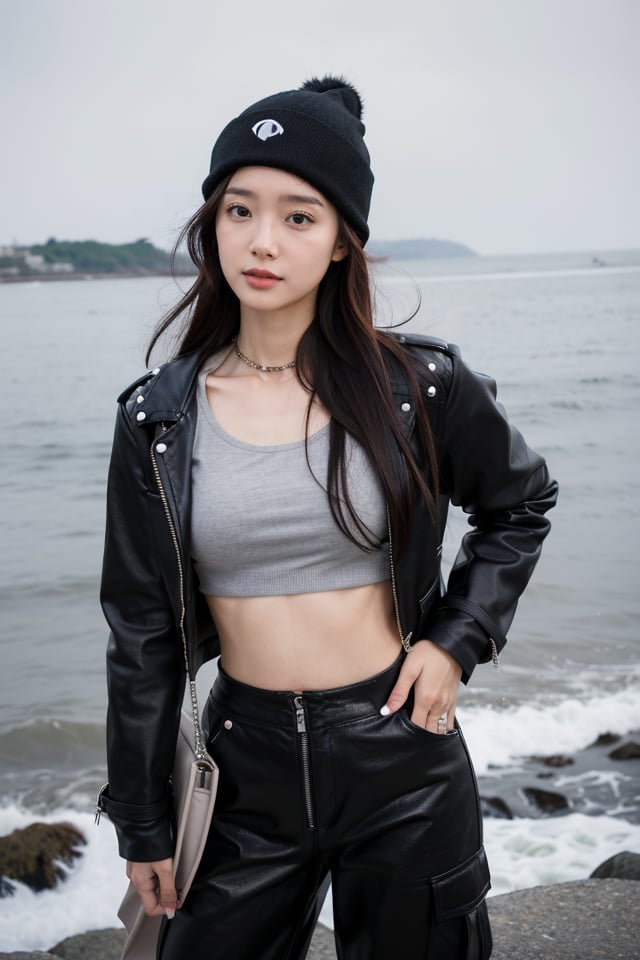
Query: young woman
[(278, 494)]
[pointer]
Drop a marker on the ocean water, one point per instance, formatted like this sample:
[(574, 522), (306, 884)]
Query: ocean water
[(561, 337)]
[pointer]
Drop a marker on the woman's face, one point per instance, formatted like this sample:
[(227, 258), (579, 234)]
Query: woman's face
[(276, 237)]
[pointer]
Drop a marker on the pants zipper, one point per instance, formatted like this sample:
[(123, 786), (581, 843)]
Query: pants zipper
[(303, 737)]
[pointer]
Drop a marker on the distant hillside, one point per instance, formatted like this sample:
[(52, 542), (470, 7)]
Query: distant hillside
[(66, 258), (418, 249), (90, 256)]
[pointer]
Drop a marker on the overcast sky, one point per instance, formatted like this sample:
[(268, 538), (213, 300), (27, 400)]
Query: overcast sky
[(509, 125)]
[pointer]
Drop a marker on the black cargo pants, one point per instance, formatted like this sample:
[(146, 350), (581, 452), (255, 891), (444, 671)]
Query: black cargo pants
[(318, 787)]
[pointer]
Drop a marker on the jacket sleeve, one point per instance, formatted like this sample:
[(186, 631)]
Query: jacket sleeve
[(145, 669), (505, 488)]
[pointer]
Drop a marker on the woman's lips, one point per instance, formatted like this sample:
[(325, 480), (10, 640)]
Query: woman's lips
[(255, 272), (261, 279)]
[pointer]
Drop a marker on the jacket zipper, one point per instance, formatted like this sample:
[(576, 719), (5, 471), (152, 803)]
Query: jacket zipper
[(495, 656), (200, 752), (303, 737), (405, 641)]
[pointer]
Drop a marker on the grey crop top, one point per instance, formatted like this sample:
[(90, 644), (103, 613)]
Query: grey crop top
[(261, 525)]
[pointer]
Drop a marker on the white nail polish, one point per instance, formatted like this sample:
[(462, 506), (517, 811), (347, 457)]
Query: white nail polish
[(170, 913), (385, 711)]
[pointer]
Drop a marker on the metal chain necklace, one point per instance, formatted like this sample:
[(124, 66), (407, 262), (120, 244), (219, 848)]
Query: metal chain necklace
[(260, 366)]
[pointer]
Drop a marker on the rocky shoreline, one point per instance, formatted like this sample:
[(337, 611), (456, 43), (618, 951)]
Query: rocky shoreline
[(603, 778), (564, 921), (84, 275)]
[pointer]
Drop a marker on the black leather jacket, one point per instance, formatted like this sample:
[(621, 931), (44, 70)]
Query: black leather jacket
[(149, 594)]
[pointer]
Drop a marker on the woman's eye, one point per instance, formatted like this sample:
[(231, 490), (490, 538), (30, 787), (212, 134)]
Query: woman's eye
[(300, 219), (237, 210)]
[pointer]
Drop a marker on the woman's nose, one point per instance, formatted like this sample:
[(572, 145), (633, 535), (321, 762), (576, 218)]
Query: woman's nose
[(263, 242)]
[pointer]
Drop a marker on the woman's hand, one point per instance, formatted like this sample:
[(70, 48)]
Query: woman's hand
[(435, 677), (155, 886)]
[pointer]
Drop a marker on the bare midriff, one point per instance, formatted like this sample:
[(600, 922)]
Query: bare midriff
[(308, 641)]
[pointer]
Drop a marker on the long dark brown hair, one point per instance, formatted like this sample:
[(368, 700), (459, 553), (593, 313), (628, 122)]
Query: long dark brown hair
[(343, 360)]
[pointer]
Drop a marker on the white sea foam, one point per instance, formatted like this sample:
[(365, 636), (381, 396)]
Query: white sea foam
[(529, 853), (522, 853), (497, 738)]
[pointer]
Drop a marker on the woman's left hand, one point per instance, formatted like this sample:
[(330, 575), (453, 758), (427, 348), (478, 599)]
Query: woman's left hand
[(435, 677)]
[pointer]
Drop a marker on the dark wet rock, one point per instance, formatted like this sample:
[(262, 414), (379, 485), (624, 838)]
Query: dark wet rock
[(495, 807), (546, 801), (606, 740), (97, 944), (28, 955), (628, 751), (567, 921), (7, 889), (34, 855), (108, 944), (556, 760), (621, 866), (544, 775), (323, 945)]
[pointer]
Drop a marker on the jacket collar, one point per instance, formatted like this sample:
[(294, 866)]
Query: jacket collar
[(163, 394)]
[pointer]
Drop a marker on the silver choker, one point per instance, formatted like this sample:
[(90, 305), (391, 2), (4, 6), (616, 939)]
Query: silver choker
[(260, 366)]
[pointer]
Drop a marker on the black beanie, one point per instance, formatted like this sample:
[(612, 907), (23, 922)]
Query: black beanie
[(314, 132)]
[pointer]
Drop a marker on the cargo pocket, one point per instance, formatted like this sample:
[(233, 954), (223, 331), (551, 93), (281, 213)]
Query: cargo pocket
[(460, 929)]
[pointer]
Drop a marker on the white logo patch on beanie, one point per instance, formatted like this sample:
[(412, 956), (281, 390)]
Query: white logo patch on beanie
[(264, 129)]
